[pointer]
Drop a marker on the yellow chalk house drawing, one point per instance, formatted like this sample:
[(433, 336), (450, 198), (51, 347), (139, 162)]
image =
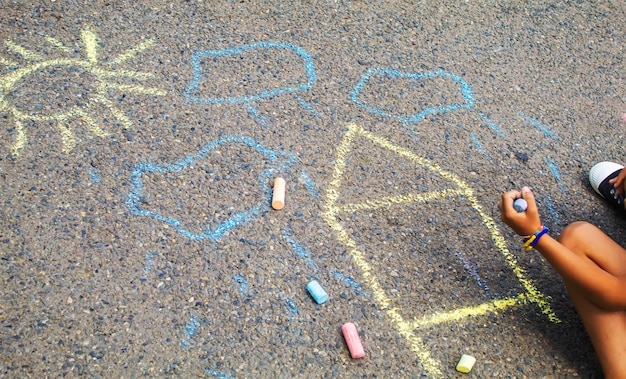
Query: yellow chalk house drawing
[(101, 72), (408, 329)]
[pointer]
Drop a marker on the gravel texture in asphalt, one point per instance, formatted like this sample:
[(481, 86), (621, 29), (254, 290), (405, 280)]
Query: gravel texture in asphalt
[(139, 142)]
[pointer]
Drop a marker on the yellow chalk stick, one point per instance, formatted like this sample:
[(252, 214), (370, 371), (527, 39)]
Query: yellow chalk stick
[(465, 363), (278, 198)]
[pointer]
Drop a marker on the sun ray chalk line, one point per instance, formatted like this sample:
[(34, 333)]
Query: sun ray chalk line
[(102, 71)]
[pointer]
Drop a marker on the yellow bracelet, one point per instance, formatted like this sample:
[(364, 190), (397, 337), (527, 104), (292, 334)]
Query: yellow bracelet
[(531, 241), (528, 241)]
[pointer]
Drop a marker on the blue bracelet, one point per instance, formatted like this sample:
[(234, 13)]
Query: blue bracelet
[(541, 233)]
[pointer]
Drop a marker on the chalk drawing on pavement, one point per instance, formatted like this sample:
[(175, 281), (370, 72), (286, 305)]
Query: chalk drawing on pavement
[(81, 86), (369, 94), (459, 191), (276, 161), (420, 111), (246, 75)]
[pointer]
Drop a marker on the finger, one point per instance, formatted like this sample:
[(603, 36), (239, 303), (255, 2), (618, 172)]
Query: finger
[(507, 199), (528, 195), (532, 212), (619, 179)]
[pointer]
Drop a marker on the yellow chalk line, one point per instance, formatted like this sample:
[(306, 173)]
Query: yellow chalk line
[(534, 294), (8, 81), (9, 63), (67, 136), (58, 44), (406, 328), (137, 89), (471, 311), (90, 40), (11, 78), (130, 53), (116, 111), (93, 125), (38, 62), (20, 139), (401, 199), (27, 54)]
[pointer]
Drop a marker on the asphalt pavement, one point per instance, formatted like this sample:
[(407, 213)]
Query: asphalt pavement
[(140, 141)]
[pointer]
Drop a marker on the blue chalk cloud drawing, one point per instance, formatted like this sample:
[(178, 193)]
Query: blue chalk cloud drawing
[(203, 59), (466, 101), (278, 161), (388, 73)]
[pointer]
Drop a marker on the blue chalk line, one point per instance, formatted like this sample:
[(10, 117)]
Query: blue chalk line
[(555, 171), (546, 130), (197, 73), (349, 281), (553, 168), (94, 177), (191, 329), (309, 184), (257, 116), (244, 284), (299, 249), (149, 266), (478, 145), (551, 209), (137, 188), (472, 271), (307, 105), (466, 91), (492, 125)]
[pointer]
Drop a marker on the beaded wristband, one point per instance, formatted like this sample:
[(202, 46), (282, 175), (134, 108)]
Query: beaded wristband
[(543, 231), (531, 241)]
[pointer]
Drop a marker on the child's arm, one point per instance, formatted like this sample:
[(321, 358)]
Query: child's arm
[(604, 289)]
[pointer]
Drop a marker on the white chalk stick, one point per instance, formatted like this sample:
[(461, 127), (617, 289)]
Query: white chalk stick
[(278, 198)]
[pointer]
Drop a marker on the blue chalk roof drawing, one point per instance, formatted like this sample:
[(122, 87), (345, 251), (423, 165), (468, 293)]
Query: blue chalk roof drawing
[(198, 78), (279, 161), (466, 91)]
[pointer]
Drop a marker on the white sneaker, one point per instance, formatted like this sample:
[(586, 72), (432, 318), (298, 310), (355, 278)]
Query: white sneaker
[(599, 177)]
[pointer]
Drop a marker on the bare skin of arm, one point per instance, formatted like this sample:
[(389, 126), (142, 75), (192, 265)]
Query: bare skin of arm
[(593, 268), (607, 289), (604, 289)]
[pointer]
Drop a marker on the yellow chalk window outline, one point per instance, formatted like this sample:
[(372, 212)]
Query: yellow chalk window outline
[(102, 72), (407, 328)]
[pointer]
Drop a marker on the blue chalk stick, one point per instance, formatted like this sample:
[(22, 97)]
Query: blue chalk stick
[(520, 205), (317, 292)]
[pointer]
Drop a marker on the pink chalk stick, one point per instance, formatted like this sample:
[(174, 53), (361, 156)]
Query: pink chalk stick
[(353, 340), (624, 117)]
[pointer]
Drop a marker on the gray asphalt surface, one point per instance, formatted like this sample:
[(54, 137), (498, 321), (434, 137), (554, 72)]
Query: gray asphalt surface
[(139, 142)]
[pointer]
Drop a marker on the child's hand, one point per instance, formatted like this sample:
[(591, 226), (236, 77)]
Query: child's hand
[(619, 183), (523, 223)]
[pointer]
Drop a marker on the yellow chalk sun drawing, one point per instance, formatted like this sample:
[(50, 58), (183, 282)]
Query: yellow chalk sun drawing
[(409, 328), (99, 74)]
